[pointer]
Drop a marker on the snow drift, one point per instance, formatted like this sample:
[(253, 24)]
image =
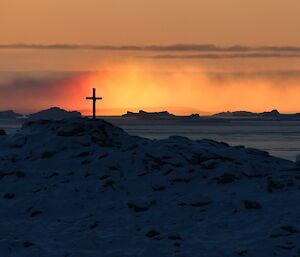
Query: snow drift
[(78, 187)]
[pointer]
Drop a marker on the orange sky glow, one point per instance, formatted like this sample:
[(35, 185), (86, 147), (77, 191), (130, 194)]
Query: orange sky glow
[(182, 82), (134, 87)]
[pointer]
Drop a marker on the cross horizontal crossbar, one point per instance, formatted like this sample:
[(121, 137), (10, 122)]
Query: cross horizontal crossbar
[(93, 98)]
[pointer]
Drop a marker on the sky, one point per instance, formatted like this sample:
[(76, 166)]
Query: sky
[(248, 22), (232, 55)]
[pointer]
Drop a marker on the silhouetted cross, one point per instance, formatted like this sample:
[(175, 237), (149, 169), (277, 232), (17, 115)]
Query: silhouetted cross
[(94, 98)]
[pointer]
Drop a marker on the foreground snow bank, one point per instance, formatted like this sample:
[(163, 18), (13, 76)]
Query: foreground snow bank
[(86, 188)]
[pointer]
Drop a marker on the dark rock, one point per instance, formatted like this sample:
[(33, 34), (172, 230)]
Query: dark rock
[(35, 213), (72, 131), (226, 178), (284, 231), (19, 142), (241, 252), (152, 233), (274, 185), (158, 188), (9, 196), (201, 203), (114, 168), (27, 244), (83, 154), (109, 183), (289, 229), (104, 177), (287, 246), (181, 180), (175, 237), (252, 205), (138, 208), (20, 174), (94, 225), (54, 174), (46, 155)]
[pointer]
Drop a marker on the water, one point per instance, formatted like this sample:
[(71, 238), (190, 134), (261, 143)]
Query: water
[(10, 125), (279, 138)]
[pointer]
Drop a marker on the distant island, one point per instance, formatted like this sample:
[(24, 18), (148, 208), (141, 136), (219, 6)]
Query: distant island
[(274, 114), (9, 114), (54, 113), (164, 115)]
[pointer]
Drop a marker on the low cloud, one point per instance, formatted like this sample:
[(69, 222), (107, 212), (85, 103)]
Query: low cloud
[(157, 48), (229, 56)]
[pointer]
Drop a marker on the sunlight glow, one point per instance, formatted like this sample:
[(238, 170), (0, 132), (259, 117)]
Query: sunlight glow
[(132, 87)]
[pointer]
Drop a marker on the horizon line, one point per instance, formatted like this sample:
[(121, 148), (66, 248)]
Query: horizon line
[(85, 112)]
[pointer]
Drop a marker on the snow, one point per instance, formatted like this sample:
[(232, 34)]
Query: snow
[(79, 187)]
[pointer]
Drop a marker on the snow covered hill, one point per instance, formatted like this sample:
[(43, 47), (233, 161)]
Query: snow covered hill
[(54, 113), (78, 187)]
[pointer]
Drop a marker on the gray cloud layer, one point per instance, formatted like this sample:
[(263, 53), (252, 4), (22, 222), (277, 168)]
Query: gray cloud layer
[(172, 51), (158, 48), (230, 56), (28, 93)]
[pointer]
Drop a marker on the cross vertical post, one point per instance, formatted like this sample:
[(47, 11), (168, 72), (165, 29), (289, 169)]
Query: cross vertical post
[(94, 98), (94, 103)]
